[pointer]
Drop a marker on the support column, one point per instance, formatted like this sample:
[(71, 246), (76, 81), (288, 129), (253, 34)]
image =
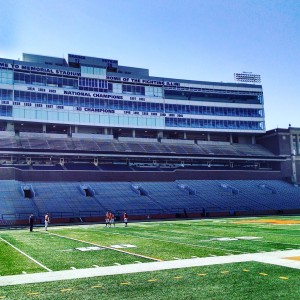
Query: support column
[(10, 126), (294, 169), (160, 134), (208, 136), (44, 128), (133, 133), (293, 155)]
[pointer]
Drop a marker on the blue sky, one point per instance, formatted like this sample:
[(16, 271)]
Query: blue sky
[(190, 39)]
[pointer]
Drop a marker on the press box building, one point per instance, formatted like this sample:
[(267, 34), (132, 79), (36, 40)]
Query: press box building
[(96, 95)]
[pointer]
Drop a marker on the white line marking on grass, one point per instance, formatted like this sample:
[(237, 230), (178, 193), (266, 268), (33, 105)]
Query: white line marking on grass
[(106, 247), (41, 265), (180, 243), (218, 248), (33, 293), (273, 258)]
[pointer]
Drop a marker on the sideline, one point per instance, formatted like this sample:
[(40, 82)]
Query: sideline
[(276, 258), (41, 265)]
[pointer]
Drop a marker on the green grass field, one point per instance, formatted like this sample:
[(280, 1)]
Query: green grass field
[(154, 241)]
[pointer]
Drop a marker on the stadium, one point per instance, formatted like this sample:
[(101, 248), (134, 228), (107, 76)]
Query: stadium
[(84, 136)]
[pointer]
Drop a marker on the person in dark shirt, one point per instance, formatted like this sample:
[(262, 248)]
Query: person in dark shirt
[(31, 221)]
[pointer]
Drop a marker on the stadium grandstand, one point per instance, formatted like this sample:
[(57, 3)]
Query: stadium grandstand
[(82, 136)]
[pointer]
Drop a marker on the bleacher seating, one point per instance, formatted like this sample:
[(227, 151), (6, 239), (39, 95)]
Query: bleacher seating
[(12, 202), (48, 143), (66, 199)]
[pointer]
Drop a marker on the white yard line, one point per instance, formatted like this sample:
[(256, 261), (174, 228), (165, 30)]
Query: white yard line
[(25, 254), (276, 258), (106, 247), (179, 243)]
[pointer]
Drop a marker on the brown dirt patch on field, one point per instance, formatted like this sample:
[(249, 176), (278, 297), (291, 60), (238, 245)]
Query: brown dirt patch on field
[(270, 221)]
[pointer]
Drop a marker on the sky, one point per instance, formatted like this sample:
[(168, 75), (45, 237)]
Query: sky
[(206, 40)]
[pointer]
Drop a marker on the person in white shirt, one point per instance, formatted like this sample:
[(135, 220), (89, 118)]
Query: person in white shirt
[(47, 221)]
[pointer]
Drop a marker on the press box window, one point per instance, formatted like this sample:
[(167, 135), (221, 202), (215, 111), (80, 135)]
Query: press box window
[(93, 72)]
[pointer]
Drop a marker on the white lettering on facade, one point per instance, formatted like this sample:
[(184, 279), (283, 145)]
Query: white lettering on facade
[(142, 81), (46, 70)]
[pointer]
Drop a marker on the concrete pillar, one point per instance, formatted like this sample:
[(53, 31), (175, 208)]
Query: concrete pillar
[(133, 133), (10, 126), (44, 128), (208, 136), (293, 151), (160, 134), (75, 129), (294, 169), (293, 160), (184, 135)]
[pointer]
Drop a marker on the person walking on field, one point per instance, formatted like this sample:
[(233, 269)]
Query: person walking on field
[(47, 221), (31, 221), (125, 218)]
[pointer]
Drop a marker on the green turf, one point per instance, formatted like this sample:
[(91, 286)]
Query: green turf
[(13, 262), (233, 281), (56, 250)]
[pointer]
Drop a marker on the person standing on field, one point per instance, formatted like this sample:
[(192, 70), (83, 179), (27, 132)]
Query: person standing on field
[(107, 219), (112, 219), (125, 218), (47, 221), (31, 221)]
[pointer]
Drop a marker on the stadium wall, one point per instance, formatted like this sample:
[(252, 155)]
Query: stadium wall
[(109, 176)]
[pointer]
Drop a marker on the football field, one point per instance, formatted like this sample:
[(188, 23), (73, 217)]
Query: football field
[(233, 258)]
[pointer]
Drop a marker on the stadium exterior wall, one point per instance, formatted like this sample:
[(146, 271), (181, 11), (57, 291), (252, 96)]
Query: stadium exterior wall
[(284, 142)]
